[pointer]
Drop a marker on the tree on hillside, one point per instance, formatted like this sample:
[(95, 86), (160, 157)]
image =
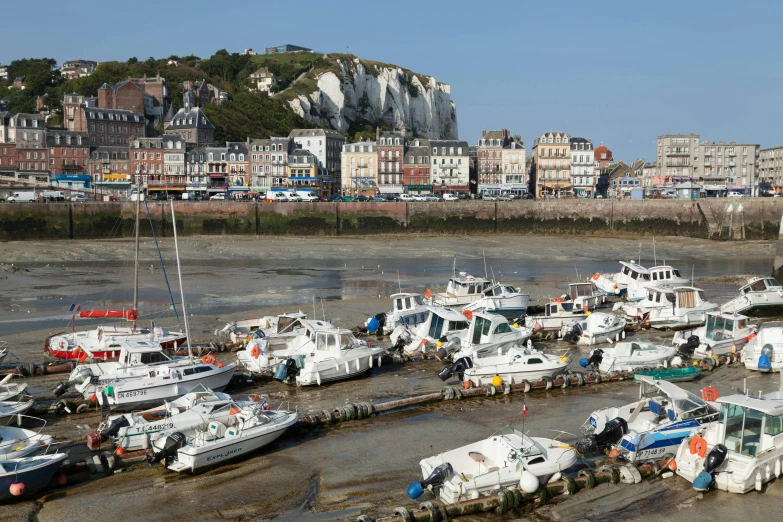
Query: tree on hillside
[(133, 60)]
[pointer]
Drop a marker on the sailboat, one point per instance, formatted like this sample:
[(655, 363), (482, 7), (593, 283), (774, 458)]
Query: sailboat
[(144, 373), (104, 342)]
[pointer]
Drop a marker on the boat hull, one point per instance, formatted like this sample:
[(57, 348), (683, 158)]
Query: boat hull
[(34, 480)]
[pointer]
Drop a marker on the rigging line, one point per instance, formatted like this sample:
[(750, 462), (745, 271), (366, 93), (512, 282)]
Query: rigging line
[(162, 265)]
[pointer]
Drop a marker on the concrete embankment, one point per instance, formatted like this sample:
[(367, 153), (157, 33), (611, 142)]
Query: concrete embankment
[(707, 218)]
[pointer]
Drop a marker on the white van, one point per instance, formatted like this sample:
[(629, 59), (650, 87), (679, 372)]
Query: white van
[(293, 196), (406, 197), (450, 197), (308, 196), (278, 197), (134, 196), (21, 197)]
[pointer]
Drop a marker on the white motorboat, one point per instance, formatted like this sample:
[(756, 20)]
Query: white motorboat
[(486, 330), (17, 442), (136, 430), (764, 351), (11, 409), (513, 364), (407, 309), (556, 314), (263, 352), (596, 328), (760, 296), (336, 356), (741, 451), (439, 323), (507, 459), (144, 374), (616, 283), (236, 331), (461, 290), (723, 333), (663, 308), (104, 342), (11, 390), (663, 276), (3, 350), (651, 427), (246, 428), (586, 295), (503, 300), (628, 356)]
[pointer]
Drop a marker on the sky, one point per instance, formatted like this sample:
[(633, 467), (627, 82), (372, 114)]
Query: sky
[(618, 72)]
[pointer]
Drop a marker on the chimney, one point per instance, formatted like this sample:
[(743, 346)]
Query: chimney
[(377, 134), (483, 132)]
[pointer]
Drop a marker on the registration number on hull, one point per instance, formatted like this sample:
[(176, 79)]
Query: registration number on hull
[(652, 453), (131, 394)]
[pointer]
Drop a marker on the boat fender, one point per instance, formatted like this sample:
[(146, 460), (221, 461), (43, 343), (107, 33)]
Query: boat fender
[(589, 477), (17, 489), (758, 481), (526, 385), (709, 394), (528, 482), (255, 352), (549, 382), (777, 468)]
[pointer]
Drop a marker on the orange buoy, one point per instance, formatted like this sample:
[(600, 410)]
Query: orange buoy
[(17, 489), (120, 451), (468, 384), (698, 446), (220, 365), (62, 480), (585, 308), (673, 465), (428, 294), (468, 314), (255, 352), (614, 454), (233, 411), (596, 276), (208, 359), (93, 398), (709, 394)]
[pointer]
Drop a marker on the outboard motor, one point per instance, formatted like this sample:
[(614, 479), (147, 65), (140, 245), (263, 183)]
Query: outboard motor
[(596, 356), (449, 348), (612, 433), (381, 318), (402, 340), (286, 370), (114, 427), (765, 359), (60, 389), (80, 374), (714, 459), (686, 350), (458, 368), (437, 477), (573, 335), (173, 443)]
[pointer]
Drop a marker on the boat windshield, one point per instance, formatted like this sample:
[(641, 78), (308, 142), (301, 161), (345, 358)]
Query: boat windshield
[(742, 428), (516, 440), (691, 408), (719, 327)]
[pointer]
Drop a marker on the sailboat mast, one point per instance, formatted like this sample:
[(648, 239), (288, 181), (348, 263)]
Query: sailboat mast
[(136, 248), (179, 273)]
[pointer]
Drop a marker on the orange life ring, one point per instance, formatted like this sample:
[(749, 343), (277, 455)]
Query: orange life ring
[(77, 352), (709, 394), (83, 357), (208, 359), (698, 446), (596, 276), (468, 314), (255, 352)]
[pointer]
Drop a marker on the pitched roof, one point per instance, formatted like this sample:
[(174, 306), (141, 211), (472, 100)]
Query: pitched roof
[(304, 133), (190, 119)]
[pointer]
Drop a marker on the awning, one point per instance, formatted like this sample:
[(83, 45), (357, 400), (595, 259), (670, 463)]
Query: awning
[(557, 186), (239, 189), (390, 189)]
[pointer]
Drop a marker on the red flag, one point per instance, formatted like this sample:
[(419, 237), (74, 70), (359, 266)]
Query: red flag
[(524, 409)]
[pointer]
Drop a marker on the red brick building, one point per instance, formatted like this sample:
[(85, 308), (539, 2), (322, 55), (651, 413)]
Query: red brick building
[(32, 159), (125, 95), (69, 151), (146, 156), (110, 165), (390, 147), (416, 167), (7, 156)]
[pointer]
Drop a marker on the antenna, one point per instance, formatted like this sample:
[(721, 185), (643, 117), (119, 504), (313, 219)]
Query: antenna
[(323, 312), (692, 269), (640, 252), (454, 267), (484, 254), (655, 257), (399, 285), (314, 316)]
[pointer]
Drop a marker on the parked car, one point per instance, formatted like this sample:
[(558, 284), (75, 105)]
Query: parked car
[(294, 197), (378, 198), (450, 197), (220, 196), (321, 197), (348, 198), (393, 197), (488, 197), (336, 197), (735, 195), (308, 196), (505, 197), (277, 197), (78, 198), (431, 197), (407, 197), (362, 198)]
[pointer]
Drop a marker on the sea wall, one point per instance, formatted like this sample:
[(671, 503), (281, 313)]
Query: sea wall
[(720, 219)]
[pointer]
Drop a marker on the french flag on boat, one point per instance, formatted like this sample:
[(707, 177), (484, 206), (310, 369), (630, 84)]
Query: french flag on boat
[(75, 308), (524, 408)]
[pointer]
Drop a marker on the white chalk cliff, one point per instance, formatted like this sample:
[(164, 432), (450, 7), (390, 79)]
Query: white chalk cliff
[(376, 93)]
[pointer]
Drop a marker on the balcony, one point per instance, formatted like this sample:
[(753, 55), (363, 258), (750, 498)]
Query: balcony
[(680, 153)]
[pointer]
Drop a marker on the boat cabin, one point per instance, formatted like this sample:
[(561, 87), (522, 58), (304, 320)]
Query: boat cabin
[(634, 349), (498, 290), (721, 326), (667, 399), (467, 285), (490, 328), (561, 308), (443, 321), (582, 290), (285, 322), (680, 297), (759, 284), (665, 274), (406, 301), (634, 271), (142, 353), (750, 426), (329, 343)]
